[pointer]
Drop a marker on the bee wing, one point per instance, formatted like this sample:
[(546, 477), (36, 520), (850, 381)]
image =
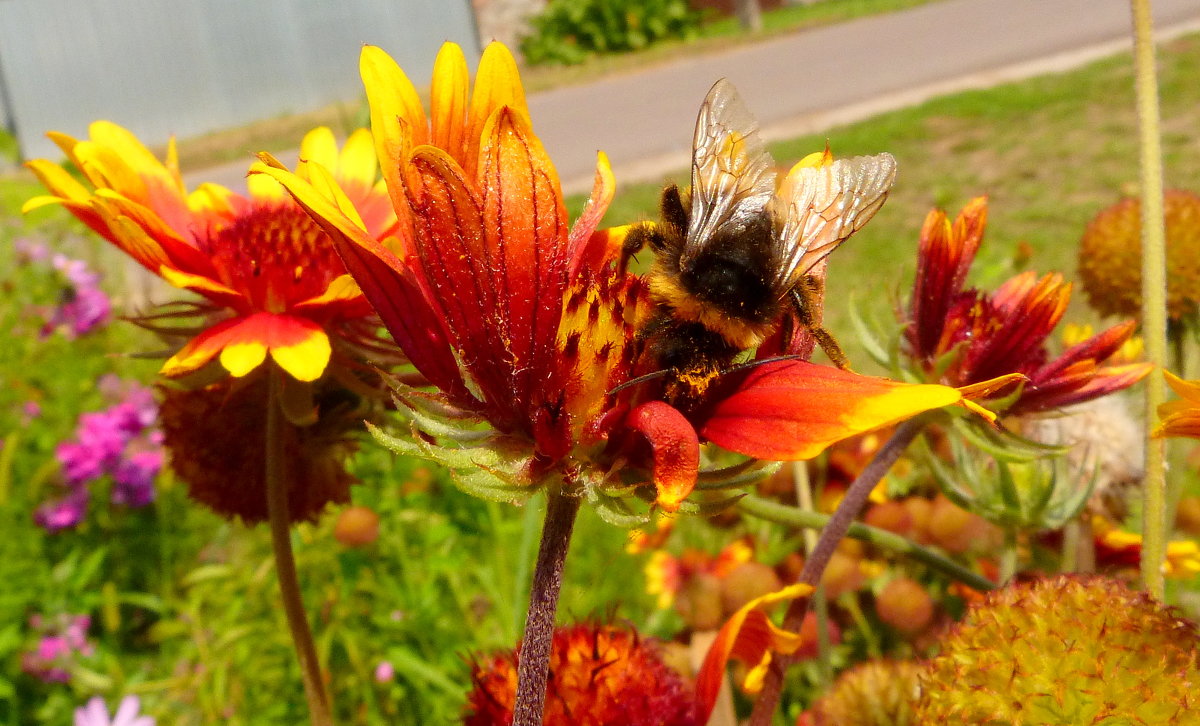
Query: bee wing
[(733, 175), (822, 206)]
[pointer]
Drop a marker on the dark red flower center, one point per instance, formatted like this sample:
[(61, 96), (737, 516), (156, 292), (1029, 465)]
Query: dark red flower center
[(275, 255)]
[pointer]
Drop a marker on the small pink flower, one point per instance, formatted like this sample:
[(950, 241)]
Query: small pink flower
[(384, 672), (95, 713)]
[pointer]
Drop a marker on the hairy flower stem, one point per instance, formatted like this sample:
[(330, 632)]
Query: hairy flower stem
[(533, 666), (285, 563), (1154, 292), (814, 565)]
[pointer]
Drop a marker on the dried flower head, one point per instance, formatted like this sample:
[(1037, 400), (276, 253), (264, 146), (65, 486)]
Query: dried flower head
[(599, 675), (1110, 257)]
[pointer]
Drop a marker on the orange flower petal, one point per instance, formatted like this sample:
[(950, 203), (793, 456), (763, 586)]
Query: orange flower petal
[(582, 251), (525, 226), (792, 409), (675, 449), (206, 286), (750, 637)]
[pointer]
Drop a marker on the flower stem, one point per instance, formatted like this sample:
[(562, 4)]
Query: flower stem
[(285, 563), (814, 565), (534, 664), (881, 538), (1009, 556), (1154, 292), (804, 497)]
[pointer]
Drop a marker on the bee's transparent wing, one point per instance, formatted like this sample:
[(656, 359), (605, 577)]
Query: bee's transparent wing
[(733, 175), (822, 206)]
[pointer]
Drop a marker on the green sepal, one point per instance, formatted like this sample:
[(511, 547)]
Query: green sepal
[(747, 472), (615, 510), (709, 508)]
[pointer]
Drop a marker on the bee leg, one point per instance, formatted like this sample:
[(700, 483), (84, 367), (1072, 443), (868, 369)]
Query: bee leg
[(673, 210), (635, 239), (806, 298)]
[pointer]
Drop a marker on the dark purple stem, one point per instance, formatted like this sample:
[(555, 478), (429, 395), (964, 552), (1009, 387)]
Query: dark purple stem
[(534, 664), (847, 511)]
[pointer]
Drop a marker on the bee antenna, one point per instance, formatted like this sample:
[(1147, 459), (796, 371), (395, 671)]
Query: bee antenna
[(762, 361), (668, 371), (641, 379)]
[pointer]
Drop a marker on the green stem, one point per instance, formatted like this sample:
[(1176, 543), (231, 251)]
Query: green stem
[(1009, 556), (1072, 534), (285, 561), (1154, 292), (849, 601), (533, 666), (881, 538), (804, 497)]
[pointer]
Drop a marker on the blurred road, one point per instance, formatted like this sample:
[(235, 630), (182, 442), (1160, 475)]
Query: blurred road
[(814, 79)]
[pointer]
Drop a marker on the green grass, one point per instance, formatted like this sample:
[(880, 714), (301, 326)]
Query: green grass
[(1049, 152)]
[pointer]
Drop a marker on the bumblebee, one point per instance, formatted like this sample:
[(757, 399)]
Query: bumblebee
[(733, 253)]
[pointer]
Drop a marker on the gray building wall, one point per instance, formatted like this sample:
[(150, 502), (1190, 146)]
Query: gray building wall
[(186, 67)]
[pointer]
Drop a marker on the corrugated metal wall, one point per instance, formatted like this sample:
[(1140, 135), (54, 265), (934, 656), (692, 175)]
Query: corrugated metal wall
[(185, 67)]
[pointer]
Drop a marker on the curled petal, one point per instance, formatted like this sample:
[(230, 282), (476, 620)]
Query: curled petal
[(750, 637), (791, 409), (675, 449), (1098, 348), (583, 231)]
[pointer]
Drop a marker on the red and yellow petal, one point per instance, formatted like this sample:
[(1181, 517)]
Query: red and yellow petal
[(581, 248), (298, 345), (525, 227), (750, 637), (789, 410), (674, 449)]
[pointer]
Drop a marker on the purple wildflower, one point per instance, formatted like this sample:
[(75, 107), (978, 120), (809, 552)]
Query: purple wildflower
[(95, 713), (82, 306), (118, 441), (63, 513), (62, 640), (133, 478), (29, 251)]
